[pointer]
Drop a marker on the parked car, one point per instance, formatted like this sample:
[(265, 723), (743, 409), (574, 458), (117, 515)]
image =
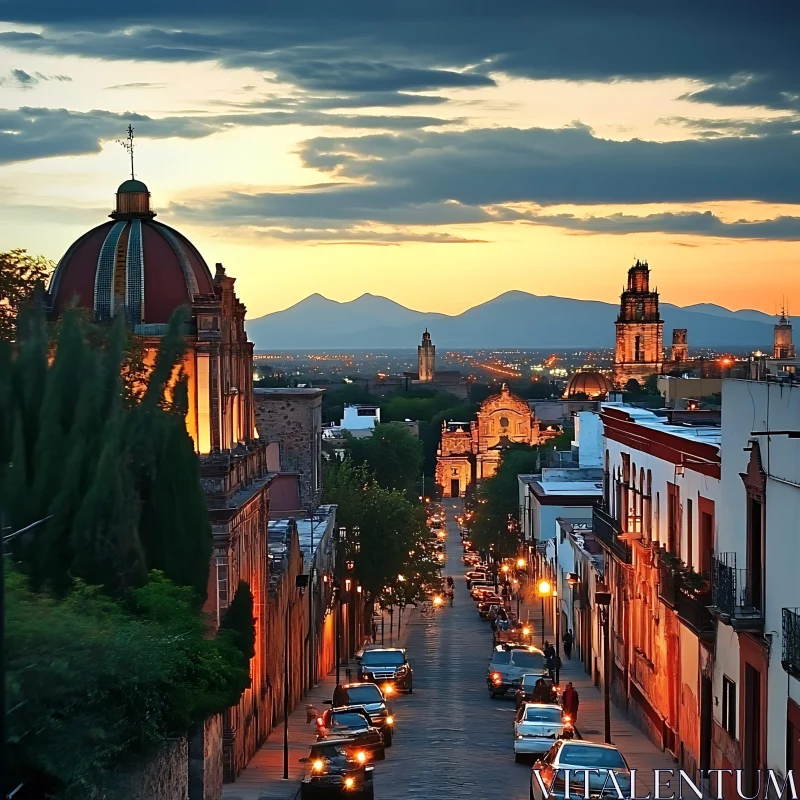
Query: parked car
[(388, 667), (579, 756), (536, 727), (524, 692), (475, 575), (508, 664), (369, 697), (478, 588), (354, 725), (332, 770), (486, 602)]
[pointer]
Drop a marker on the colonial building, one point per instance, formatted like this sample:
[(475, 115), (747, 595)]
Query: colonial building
[(680, 347), (658, 527), (638, 352), (470, 452), (146, 270), (426, 358)]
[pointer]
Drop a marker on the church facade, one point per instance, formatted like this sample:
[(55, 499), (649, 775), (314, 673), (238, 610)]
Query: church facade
[(471, 451)]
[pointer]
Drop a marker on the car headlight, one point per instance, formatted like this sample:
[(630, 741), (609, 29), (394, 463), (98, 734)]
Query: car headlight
[(361, 756), (390, 720), (318, 765), (349, 783)]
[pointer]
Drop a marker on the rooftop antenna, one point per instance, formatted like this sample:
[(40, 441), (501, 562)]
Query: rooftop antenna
[(128, 145)]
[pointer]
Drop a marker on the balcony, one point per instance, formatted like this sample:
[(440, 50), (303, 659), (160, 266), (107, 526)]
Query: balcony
[(790, 659), (691, 606), (607, 531), (735, 602)]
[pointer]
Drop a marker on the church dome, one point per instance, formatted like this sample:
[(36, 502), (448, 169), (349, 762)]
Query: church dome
[(593, 385), (132, 263)]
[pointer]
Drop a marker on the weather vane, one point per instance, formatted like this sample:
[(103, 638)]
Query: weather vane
[(128, 145)]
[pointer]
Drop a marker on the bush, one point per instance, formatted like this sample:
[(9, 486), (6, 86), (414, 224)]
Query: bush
[(93, 680)]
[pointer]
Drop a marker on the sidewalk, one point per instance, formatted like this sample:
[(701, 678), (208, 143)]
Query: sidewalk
[(263, 777), (639, 751)]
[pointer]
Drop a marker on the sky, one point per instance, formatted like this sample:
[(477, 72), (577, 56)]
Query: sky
[(438, 152)]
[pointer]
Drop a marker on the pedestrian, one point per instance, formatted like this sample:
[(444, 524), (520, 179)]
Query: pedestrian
[(550, 659), (540, 691), (569, 702), (568, 640)]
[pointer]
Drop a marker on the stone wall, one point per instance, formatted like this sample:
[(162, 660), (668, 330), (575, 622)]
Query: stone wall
[(164, 776), (205, 761), (293, 419)]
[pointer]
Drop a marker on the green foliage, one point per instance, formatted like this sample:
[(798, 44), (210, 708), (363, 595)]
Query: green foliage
[(337, 397), (393, 454), (20, 275), (92, 680), (419, 405), (111, 468), (239, 620), (394, 536), (498, 502)]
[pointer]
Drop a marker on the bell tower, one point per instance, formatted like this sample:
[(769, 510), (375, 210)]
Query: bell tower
[(639, 350), (426, 358), (783, 347)]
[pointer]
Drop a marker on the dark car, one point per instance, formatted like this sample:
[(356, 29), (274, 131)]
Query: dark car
[(354, 725), (524, 693), (369, 697), (388, 667), (334, 770)]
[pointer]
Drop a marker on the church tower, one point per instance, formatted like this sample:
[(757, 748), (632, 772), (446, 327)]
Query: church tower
[(426, 358), (638, 352), (782, 342)]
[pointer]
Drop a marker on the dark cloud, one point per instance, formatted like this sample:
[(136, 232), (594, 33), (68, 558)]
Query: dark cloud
[(341, 101), (363, 236), (694, 223), (708, 128), (138, 86), (21, 79), (357, 45), (477, 176), (29, 133)]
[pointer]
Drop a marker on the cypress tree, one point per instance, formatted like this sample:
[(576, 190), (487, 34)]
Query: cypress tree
[(239, 620)]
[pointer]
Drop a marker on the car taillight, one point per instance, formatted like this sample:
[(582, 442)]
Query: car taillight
[(495, 675)]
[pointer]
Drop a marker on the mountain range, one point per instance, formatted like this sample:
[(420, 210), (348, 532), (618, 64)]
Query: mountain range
[(513, 320)]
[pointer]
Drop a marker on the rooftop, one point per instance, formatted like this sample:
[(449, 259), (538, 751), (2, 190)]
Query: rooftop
[(706, 434), (553, 488), (290, 391), (310, 532)]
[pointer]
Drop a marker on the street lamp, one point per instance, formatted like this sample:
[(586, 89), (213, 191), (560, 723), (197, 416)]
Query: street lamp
[(521, 563), (544, 589), (602, 598)]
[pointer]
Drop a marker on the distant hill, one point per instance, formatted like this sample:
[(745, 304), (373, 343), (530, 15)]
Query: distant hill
[(514, 319)]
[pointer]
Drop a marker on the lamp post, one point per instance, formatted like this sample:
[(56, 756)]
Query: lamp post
[(602, 597), (544, 591), (300, 582), (341, 539), (574, 581)]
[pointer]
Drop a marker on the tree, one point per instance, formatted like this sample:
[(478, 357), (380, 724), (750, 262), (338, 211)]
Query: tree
[(498, 501), (20, 275), (393, 454), (651, 384), (239, 620)]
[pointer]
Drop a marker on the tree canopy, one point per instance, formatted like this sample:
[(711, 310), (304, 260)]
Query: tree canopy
[(393, 454), (20, 275)]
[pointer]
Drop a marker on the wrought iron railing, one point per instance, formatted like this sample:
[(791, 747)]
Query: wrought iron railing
[(606, 530), (734, 592), (667, 585), (791, 641), (693, 607)]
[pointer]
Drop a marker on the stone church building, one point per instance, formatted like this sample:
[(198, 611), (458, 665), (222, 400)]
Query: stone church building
[(471, 451)]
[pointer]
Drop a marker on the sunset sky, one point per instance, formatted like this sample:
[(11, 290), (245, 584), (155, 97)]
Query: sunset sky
[(438, 152)]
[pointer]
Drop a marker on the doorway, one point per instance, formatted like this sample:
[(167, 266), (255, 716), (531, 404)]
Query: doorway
[(706, 712), (455, 487), (751, 751)]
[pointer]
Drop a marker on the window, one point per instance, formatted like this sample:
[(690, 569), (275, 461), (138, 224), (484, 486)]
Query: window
[(689, 534), (637, 347), (673, 518), (729, 706)]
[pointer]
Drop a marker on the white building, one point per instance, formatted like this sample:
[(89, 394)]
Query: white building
[(757, 590)]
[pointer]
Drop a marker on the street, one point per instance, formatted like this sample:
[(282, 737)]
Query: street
[(452, 740)]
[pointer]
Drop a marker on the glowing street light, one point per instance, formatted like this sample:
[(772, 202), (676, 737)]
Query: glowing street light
[(544, 588), (521, 563)]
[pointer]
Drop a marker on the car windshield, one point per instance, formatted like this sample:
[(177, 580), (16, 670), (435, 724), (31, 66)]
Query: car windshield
[(347, 719), (501, 657), (606, 758), (383, 658), (369, 693), (528, 660), (529, 681), (543, 715)]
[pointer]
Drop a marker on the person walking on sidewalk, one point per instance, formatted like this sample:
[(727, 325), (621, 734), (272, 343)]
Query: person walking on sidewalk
[(569, 702), (550, 659), (568, 639)]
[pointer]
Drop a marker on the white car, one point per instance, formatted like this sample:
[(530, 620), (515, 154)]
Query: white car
[(536, 728)]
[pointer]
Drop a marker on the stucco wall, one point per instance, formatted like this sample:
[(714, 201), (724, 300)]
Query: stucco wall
[(164, 776)]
